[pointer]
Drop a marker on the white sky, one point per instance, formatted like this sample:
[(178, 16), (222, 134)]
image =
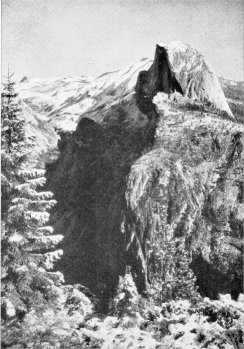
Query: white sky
[(44, 38)]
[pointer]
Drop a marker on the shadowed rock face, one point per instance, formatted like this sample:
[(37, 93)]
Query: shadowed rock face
[(159, 78), (153, 162), (89, 182)]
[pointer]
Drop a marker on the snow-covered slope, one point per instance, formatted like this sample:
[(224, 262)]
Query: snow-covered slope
[(46, 139), (61, 101), (234, 92), (48, 96)]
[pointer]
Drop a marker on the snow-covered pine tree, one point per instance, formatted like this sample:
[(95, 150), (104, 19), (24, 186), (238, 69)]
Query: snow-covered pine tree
[(126, 299), (27, 243), (13, 140), (12, 131)]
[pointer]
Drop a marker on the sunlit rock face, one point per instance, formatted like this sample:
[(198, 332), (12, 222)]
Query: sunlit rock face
[(189, 186), (156, 150)]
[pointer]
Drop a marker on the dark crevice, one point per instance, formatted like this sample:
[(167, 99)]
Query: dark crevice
[(212, 282), (159, 78), (167, 82)]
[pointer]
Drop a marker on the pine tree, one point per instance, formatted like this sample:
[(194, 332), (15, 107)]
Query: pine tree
[(27, 243), (12, 131), (126, 299), (13, 140), (179, 280), (171, 276)]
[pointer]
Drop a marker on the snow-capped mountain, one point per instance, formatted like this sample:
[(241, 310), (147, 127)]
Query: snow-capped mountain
[(61, 101), (57, 104), (148, 148)]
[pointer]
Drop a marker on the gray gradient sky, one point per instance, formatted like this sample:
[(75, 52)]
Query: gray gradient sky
[(45, 38)]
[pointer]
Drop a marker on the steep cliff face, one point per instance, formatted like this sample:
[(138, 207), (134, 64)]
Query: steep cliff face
[(156, 149), (189, 186)]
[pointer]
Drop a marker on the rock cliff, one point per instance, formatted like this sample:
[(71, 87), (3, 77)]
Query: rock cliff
[(156, 148)]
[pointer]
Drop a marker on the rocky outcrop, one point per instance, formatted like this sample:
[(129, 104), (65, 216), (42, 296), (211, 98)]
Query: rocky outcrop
[(156, 149), (180, 67)]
